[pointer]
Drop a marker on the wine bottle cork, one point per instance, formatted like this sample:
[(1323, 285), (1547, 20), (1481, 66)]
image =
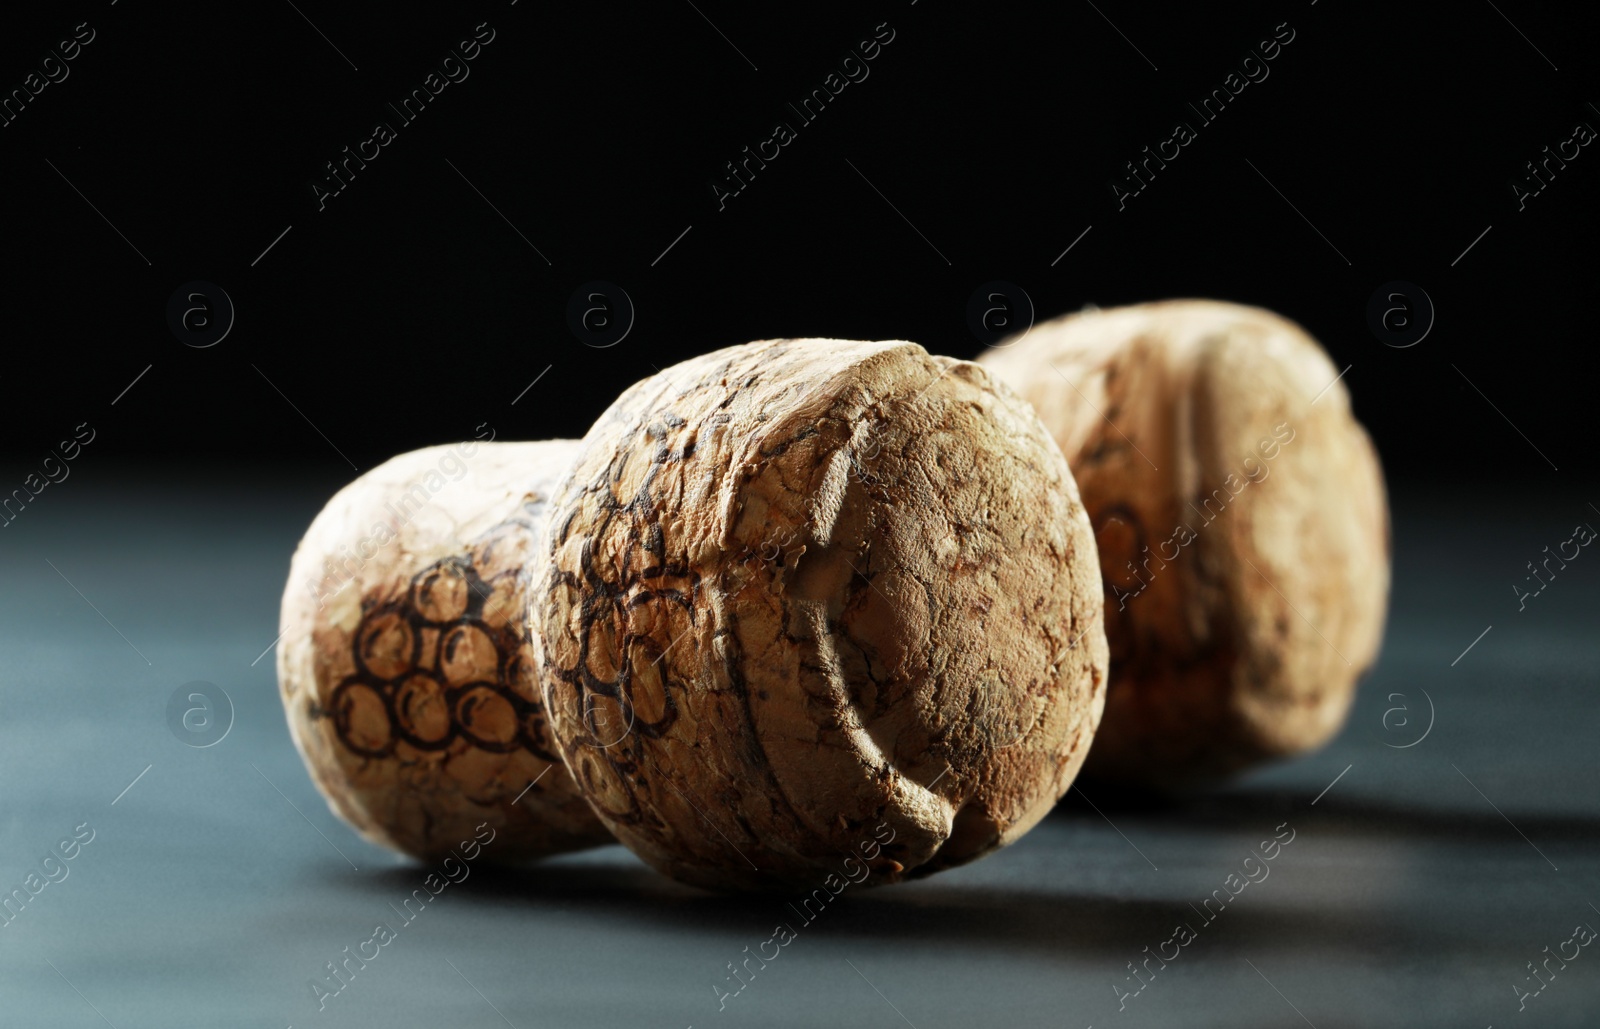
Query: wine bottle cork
[(406, 667), (809, 596), (1242, 523)]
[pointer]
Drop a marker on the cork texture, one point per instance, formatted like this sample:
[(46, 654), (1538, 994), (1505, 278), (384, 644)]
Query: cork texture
[(1242, 523), (802, 590), (406, 668)]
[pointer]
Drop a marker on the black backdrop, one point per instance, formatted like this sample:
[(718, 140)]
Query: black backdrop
[(434, 288)]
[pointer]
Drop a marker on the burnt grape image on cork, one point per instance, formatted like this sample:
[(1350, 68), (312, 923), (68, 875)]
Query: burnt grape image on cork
[(433, 663), (407, 670)]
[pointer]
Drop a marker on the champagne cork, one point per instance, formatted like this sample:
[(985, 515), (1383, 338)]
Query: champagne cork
[(406, 667), (1242, 523), (806, 596)]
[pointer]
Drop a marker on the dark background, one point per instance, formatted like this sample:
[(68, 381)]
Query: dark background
[(408, 311)]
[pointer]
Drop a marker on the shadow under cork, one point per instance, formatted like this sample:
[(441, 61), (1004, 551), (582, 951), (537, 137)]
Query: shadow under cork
[(1354, 817), (1092, 923)]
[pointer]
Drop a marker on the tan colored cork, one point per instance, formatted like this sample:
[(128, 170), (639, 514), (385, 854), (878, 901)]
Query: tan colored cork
[(406, 668), (1242, 523), (807, 596)]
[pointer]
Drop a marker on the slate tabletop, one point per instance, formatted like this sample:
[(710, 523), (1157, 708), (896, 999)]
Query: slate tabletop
[(1430, 858)]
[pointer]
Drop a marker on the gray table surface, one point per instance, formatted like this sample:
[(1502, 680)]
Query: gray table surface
[(1417, 889)]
